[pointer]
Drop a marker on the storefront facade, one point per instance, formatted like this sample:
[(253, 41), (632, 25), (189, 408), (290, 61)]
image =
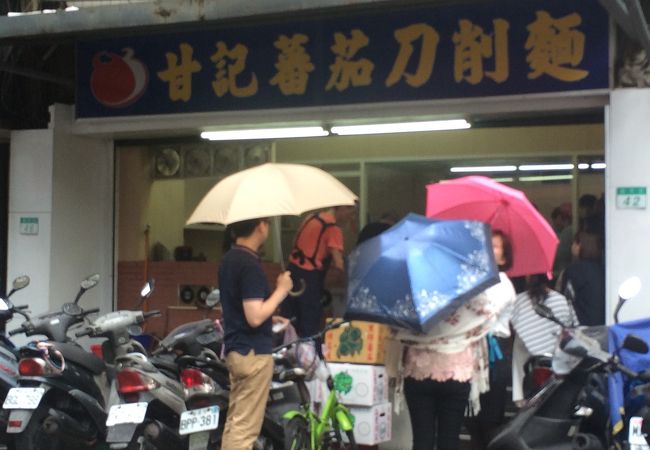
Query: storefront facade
[(141, 95)]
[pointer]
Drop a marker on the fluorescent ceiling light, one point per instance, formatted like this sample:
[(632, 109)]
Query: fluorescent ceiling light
[(583, 166), (504, 179), (547, 178), (404, 127), (264, 133), (542, 167), (598, 166), (484, 169)]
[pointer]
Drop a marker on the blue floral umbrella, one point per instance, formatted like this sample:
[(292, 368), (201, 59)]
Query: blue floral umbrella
[(419, 271)]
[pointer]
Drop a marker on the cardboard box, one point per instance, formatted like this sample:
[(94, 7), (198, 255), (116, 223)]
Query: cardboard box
[(369, 384), (373, 425), (360, 343)]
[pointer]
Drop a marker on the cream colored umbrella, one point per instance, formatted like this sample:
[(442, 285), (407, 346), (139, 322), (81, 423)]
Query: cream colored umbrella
[(269, 190)]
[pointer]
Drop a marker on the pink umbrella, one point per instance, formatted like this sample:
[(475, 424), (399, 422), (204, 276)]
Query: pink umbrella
[(534, 242)]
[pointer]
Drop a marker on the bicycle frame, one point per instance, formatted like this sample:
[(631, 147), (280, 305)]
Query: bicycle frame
[(320, 425), (334, 415)]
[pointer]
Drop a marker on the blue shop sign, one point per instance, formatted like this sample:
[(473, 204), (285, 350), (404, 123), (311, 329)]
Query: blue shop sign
[(425, 53)]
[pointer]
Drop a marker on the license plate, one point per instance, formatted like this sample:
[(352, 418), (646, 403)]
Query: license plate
[(126, 413), (635, 436), (23, 398), (196, 420)]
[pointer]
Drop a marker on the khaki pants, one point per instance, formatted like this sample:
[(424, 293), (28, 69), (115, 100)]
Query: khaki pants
[(250, 379)]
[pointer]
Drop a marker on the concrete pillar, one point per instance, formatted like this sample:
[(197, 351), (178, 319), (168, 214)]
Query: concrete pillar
[(60, 214), (627, 155)]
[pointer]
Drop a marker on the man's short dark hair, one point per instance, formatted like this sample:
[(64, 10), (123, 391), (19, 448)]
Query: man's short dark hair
[(244, 228)]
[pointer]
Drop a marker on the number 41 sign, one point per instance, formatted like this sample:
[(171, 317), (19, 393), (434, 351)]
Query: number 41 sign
[(631, 197)]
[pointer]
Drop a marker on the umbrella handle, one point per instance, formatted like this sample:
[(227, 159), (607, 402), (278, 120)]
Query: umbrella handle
[(300, 291)]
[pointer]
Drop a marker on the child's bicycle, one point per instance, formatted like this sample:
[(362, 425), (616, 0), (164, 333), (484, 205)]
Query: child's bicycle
[(305, 429)]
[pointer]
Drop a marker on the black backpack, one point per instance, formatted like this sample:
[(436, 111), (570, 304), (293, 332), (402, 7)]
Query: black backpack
[(300, 254)]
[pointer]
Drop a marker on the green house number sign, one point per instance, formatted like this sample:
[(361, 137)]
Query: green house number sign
[(28, 225), (631, 197)]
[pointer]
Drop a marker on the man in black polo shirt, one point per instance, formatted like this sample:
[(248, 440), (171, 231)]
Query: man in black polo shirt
[(247, 308)]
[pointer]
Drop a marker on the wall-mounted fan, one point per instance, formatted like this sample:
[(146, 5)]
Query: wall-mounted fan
[(226, 160), (197, 161), (256, 154), (167, 162)]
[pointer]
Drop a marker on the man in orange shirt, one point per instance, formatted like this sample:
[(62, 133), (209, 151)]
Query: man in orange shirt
[(317, 246)]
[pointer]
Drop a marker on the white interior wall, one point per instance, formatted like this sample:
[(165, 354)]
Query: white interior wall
[(67, 183), (627, 246)]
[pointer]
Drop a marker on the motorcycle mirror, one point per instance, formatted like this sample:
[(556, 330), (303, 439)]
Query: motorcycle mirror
[(86, 284), (629, 288), (147, 289), (635, 344), (90, 282), (3, 305), (213, 298), (20, 282)]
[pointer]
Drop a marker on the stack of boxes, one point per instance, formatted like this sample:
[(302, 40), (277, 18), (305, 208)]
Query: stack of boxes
[(358, 352)]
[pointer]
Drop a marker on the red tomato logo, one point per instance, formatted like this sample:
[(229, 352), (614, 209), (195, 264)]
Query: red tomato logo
[(118, 81)]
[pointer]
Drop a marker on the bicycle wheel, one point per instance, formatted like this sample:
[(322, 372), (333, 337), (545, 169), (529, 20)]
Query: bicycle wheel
[(296, 434)]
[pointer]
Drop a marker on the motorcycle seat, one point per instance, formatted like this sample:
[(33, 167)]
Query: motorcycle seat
[(79, 356), (164, 362)]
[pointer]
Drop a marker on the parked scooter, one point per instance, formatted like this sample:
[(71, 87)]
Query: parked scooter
[(8, 354), (152, 397), (59, 402), (207, 393), (59, 384), (206, 381), (8, 358), (563, 414)]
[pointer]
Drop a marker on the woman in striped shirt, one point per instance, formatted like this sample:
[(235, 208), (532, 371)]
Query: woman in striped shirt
[(535, 335)]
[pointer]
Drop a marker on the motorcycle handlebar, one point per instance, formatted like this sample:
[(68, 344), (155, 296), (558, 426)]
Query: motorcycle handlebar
[(155, 312), (330, 326), (628, 372), (91, 311), (83, 333), (21, 307), (17, 331)]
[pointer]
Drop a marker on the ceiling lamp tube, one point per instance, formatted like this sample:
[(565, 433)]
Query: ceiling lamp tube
[(264, 133), (547, 178), (483, 169), (404, 127), (543, 167)]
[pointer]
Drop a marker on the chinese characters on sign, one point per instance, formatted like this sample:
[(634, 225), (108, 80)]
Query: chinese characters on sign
[(555, 48), (415, 55)]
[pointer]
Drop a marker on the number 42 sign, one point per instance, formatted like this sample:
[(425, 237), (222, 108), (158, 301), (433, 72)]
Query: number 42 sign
[(631, 197)]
